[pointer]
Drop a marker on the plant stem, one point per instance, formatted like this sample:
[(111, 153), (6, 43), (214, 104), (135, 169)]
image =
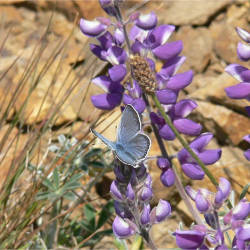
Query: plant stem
[(182, 140), (186, 199)]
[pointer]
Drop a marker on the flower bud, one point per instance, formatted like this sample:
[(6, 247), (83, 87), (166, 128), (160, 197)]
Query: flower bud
[(242, 210), (121, 228), (147, 21), (130, 194), (168, 177), (146, 193), (114, 189), (163, 210), (145, 216), (163, 163), (202, 203), (91, 28), (189, 239)]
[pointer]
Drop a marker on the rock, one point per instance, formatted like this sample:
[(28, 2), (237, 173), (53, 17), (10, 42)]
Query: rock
[(197, 47), (187, 12), (227, 125)]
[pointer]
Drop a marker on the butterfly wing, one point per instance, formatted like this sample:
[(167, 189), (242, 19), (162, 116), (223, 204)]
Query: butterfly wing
[(135, 150), (129, 126), (109, 143)]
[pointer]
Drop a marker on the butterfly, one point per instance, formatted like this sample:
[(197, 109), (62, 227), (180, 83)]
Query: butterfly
[(131, 146)]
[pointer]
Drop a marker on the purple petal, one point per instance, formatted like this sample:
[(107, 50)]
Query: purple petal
[(130, 194), (225, 186), (146, 193), (242, 210), (106, 101), (91, 28), (116, 55), (247, 154), (106, 40), (159, 35), (163, 163), (236, 71), (107, 85), (187, 127), (137, 103), (137, 34), (246, 138), (243, 51), (244, 35), (108, 6), (117, 73), (137, 48), (163, 210), (200, 142), (119, 37), (193, 171), (245, 75), (219, 198), (147, 21), (167, 133), (167, 96), (244, 233), (145, 216), (103, 82), (121, 228), (168, 177), (97, 50), (168, 50), (189, 239), (201, 203), (184, 107), (191, 192), (114, 189), (210, 156), (239, 91), (172, 66), (157, 119), (180, 81)]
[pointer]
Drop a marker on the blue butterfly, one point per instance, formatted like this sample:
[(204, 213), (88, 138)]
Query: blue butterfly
[(131, 146)]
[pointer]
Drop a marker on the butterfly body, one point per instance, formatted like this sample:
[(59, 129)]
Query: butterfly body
[(131, 146)]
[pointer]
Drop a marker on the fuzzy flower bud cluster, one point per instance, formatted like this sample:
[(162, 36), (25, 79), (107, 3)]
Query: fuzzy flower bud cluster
[(132, 192), (209, 204)]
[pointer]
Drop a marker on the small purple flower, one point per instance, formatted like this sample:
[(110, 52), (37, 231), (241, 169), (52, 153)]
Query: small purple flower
[(163, 210), (190, 239), (168, 177), (121, 228), (163, 163), (145, 216), (147, 21), (92, 28), (208, 156)]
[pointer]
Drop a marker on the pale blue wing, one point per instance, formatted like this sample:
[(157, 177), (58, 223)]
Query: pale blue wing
[(129, 126), (135, 150), (109, 143)]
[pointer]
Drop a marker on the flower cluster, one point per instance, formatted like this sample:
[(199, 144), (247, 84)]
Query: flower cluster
[(132, 192), (208, 204), (242, 74)]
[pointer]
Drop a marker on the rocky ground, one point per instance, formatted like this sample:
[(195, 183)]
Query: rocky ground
[(207, 31)]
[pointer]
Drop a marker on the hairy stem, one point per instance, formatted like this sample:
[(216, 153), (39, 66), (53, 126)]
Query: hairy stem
[(182, 140)]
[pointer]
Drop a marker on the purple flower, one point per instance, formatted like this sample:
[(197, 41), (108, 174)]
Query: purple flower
[(177, 113), (168, 177), (121, 228), (207, 156), (190, 239), (163, 210), (111, 85), (91, 28), (242, 74)]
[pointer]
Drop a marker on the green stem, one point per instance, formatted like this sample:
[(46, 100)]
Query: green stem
[(182, 140)]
